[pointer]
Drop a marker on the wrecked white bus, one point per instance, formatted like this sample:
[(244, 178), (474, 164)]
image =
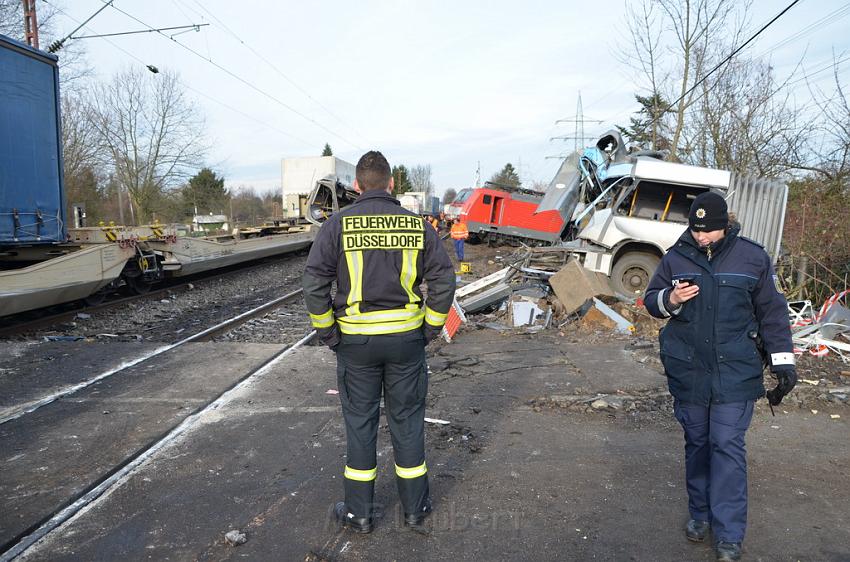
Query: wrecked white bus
[(622, 211)]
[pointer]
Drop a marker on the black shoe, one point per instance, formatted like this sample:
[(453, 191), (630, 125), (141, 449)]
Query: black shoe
[(347, 519), (728, 551), (697, 530), (416, 520)]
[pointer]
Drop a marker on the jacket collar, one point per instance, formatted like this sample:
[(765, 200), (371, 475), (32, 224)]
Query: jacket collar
[(687, 246), (376, 194)]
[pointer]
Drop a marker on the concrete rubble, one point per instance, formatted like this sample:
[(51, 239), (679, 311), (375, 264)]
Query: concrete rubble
[(544, 288), (235, 538)]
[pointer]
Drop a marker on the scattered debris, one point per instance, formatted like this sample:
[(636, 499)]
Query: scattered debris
[(574, 285), (815, 412), (436, 421), (331, 391), (623, 325), (818, 333), (63, 338), (235, 538), (524, 312), (834, 416), (83, 316)]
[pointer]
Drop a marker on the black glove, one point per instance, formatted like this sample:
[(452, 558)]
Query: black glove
[(786, 381), (330, 337), (430, 332)]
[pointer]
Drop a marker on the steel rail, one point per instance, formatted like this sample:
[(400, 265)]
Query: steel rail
[(123, 470), (204, 335)]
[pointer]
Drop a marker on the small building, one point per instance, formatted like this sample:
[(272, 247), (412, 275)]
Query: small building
[(210, 224)]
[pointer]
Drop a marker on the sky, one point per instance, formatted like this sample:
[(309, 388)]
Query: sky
[(455, 85)]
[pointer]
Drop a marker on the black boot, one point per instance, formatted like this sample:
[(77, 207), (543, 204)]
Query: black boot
[(728, 551), (347, 519), (697, 530), (415, 520)]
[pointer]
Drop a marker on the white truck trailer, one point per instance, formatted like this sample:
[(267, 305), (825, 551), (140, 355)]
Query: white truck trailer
[(299, 176)]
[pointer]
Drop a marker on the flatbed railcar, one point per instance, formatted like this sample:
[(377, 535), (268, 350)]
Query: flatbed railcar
[(42, 261)]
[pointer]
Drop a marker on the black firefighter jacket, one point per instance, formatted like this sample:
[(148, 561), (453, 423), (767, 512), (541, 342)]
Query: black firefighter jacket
[(706, 347), (378, 253)]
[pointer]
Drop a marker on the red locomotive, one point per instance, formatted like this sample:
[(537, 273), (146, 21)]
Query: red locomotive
[(508, 213)]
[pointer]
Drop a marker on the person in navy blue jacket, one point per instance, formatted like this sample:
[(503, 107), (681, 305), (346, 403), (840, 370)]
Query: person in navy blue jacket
[(720, 294)]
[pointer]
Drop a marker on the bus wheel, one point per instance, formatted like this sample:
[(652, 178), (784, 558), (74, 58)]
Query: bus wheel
[(632, 272)]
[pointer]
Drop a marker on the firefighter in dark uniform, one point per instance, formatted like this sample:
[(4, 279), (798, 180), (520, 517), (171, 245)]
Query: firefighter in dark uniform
[(721, 296), (379, 323)]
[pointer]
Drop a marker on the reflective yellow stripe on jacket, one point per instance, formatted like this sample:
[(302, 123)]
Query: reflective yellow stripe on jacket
[(408, 273), (354, 260), (435, 318), (382, 321), (324, 320)]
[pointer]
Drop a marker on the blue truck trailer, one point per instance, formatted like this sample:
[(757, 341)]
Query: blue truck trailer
[(32, 210)]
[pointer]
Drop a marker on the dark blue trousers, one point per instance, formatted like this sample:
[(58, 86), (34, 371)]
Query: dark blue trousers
[(392, 365), (716, 465), (459, 249)]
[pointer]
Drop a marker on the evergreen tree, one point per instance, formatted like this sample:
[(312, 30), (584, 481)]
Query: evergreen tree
[(401, 178), (647, 128), (206, 193), (327, 150), (508, 176)]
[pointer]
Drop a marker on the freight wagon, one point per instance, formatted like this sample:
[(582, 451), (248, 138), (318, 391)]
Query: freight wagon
[(42, 262)]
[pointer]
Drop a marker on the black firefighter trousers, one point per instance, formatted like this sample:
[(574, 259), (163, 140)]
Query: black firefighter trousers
[(394, 364)]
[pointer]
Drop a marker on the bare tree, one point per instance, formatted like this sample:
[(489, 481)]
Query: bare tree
[(746, 122), (449, 196), (831, 156), (80, 137), (151, 132), (73, 66), (674, 46), (420, 179), (643, 52)]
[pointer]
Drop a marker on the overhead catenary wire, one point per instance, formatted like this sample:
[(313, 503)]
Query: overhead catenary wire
[(190, 88), (56, 45), (816, 25), (725, 60), (277, 69), (240, 79), (729, 57), (195, 26)]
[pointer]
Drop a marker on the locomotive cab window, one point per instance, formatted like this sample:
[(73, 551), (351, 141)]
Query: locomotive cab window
[(488, 199)]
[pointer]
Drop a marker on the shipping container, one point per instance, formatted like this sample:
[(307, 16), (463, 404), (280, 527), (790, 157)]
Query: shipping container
[(31, 188)]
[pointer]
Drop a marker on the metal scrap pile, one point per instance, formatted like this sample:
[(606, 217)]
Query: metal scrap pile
[(542, 288), (823, 332)]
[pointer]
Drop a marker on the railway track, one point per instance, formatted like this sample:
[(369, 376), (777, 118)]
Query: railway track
[(102, 483), (204, 335)]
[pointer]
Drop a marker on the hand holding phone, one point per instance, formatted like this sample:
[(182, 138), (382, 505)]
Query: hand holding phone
[(684, 289)]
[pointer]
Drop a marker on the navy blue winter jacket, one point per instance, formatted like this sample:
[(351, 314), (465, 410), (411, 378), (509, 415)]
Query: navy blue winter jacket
[(706, 348)]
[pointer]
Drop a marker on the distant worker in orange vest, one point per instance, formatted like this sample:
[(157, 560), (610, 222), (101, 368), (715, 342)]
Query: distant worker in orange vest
[(459, 234)]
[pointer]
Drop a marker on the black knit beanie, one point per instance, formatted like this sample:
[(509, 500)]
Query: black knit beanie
[(708, 212)]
